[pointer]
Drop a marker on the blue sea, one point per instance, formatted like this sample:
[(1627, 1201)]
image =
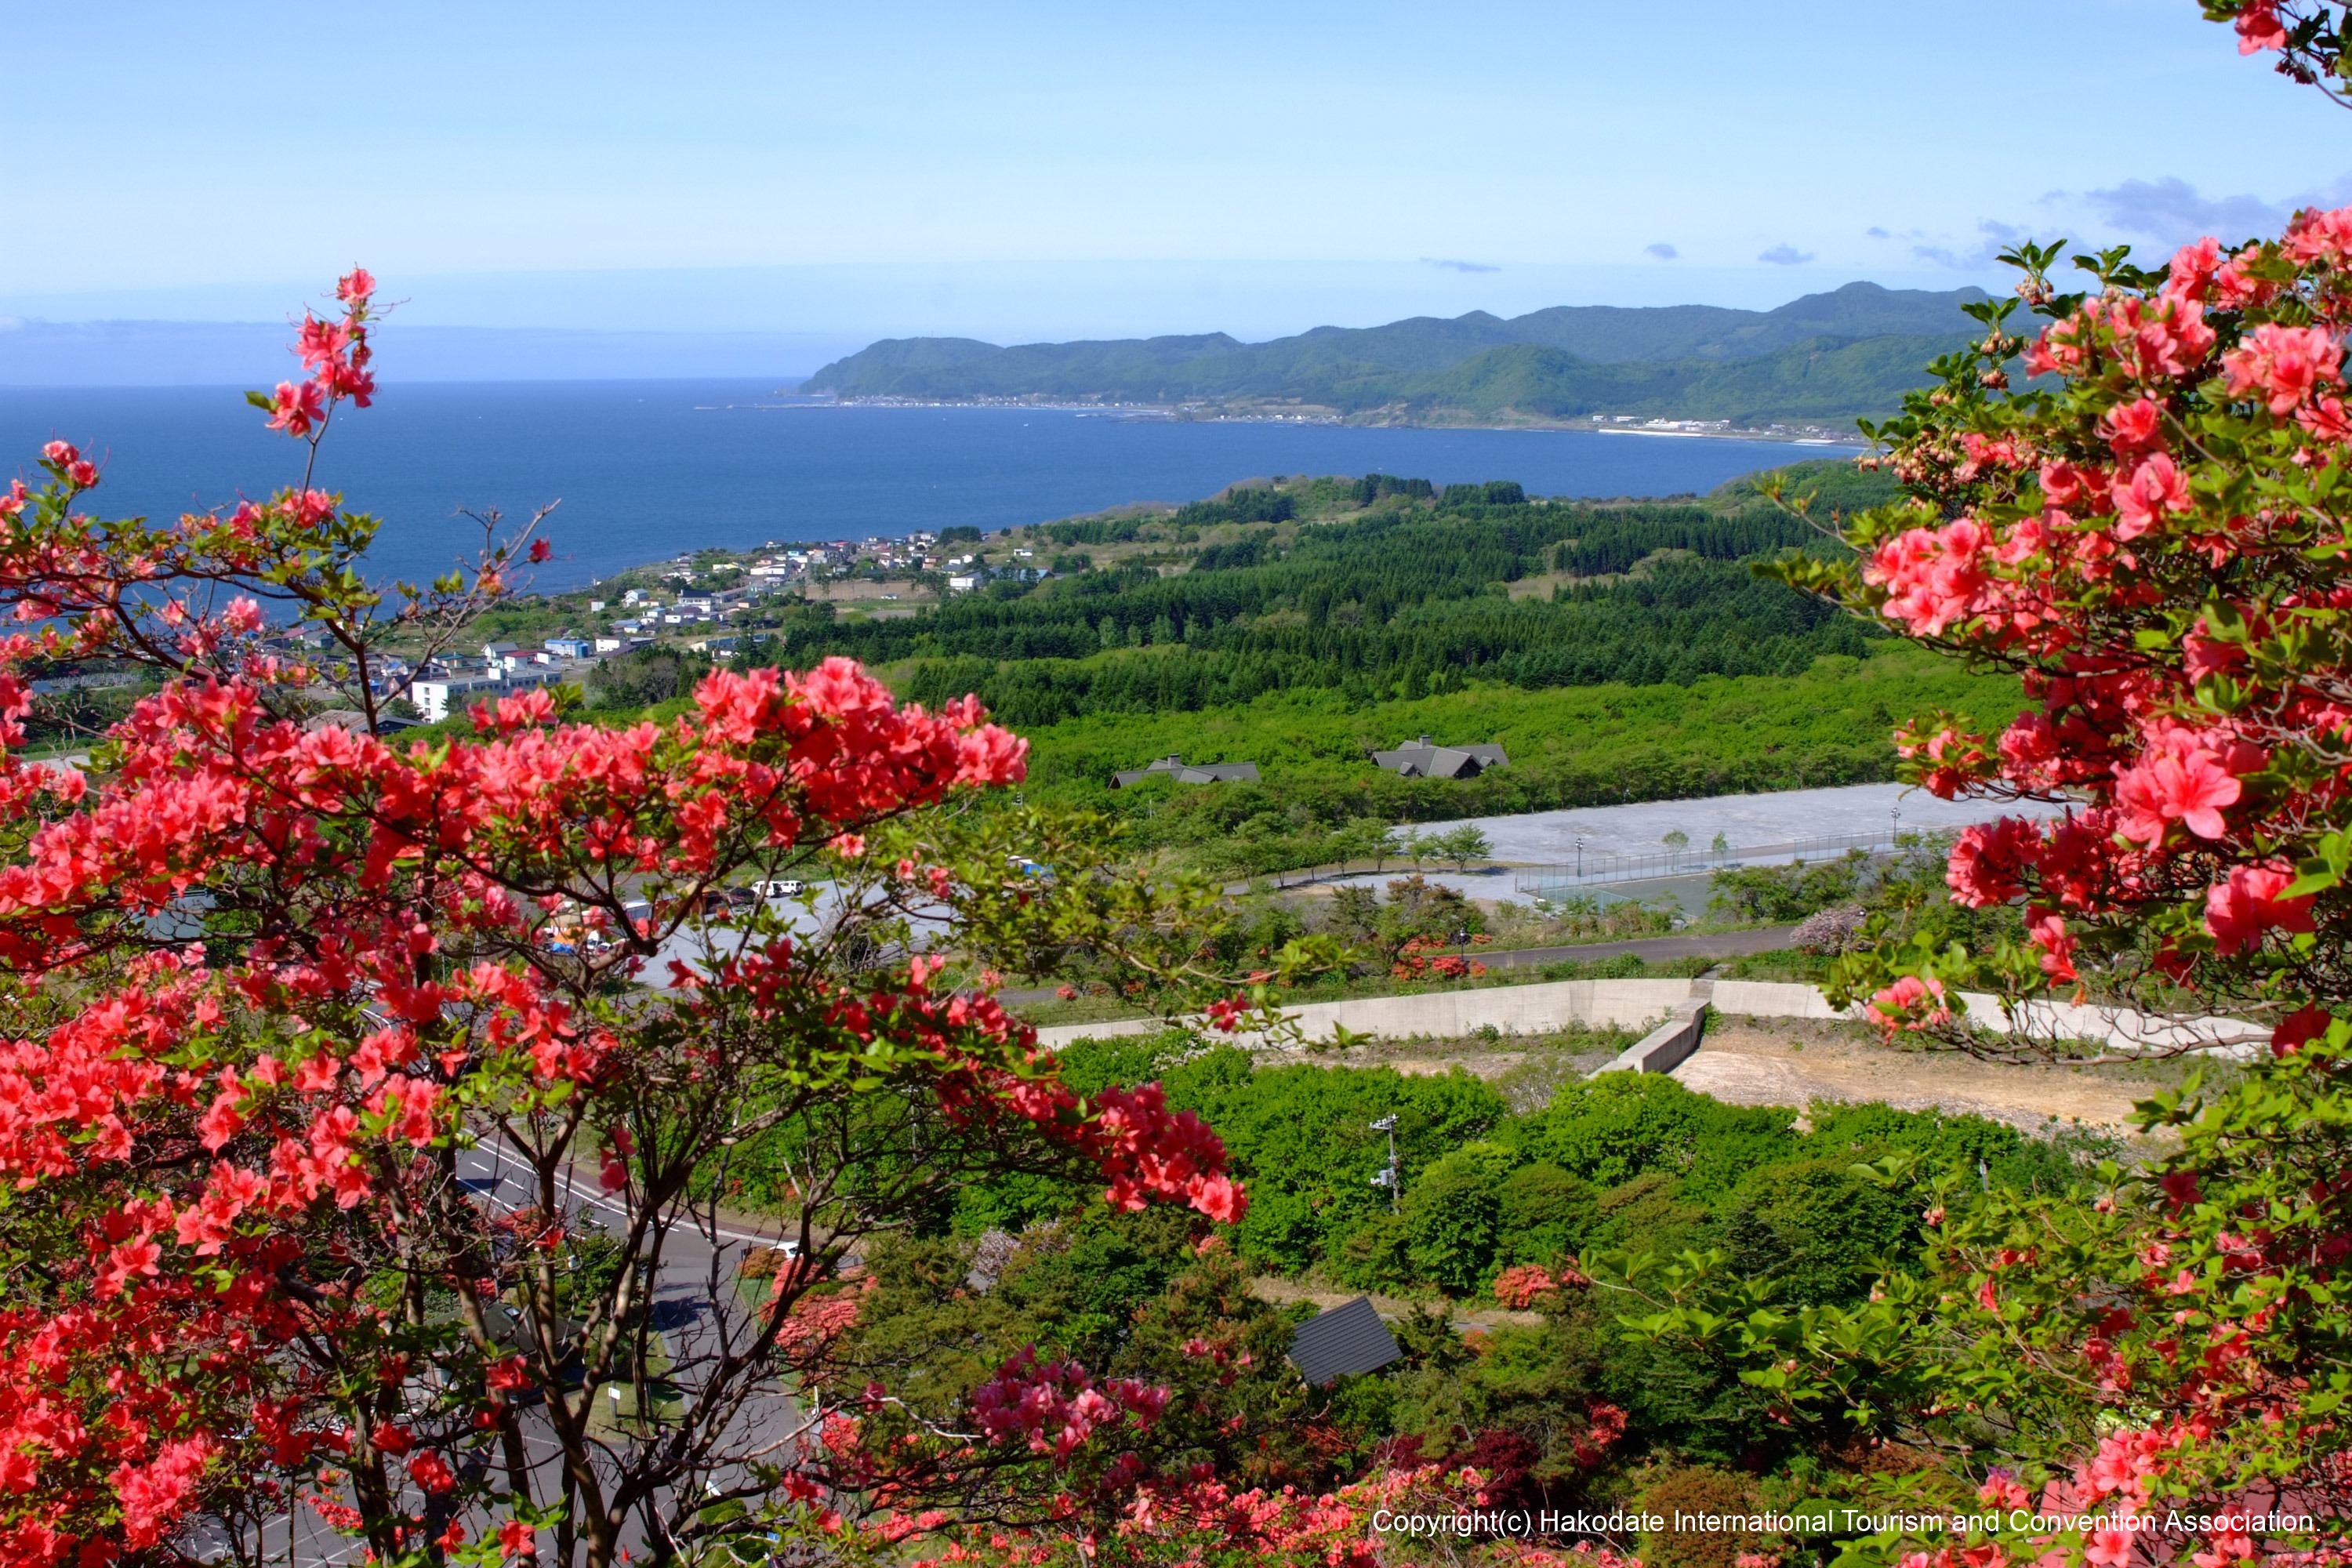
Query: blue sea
[(645, 469)]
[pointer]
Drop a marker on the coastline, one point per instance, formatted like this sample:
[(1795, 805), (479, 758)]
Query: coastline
[(1808, 435)]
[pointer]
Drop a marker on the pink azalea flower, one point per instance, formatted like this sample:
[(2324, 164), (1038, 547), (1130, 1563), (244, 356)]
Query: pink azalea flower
[(2190, 788), (2259, 28), (2153, 490), (2284, 365), (2243, 906)]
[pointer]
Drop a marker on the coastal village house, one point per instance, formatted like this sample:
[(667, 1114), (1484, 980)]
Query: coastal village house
[(438, 696)]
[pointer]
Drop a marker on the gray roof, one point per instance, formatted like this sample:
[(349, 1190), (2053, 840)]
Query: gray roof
[(1182, 772), (1341, 1342), (1421, 759)]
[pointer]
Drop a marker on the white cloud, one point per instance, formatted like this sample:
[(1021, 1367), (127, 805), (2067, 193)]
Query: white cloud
[(2173, 212), (1662, 250), (1786, 254), (1992, 238), (1452, 265)]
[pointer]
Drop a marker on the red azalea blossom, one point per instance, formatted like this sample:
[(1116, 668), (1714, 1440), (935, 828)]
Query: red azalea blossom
[(2246, 903), (235, 1143), (2259, 28)]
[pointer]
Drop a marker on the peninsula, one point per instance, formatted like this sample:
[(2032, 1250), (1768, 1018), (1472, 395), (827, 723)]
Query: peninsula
[(1825, 357)]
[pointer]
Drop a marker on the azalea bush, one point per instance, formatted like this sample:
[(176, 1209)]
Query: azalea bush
[(365, 1110), (2141, 505)]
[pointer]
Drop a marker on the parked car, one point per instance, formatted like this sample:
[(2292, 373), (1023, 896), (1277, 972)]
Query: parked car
[(716, 902), (781, 888)]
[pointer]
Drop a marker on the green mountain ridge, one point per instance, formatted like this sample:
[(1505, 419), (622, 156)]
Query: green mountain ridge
[(1852, 350), (1824, 378)]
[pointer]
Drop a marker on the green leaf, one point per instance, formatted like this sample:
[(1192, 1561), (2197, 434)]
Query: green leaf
[(2323, 871)]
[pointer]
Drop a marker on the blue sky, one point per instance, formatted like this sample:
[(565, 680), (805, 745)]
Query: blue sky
[(1045, 169)]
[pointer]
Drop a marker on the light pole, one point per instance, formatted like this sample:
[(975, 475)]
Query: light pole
[(1580, 857), (1388, 1178)]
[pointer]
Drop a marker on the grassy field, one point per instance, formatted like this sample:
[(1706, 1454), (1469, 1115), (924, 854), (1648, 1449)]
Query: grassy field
[(1571, 746)]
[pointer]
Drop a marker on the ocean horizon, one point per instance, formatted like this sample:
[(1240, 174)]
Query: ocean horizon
[(643, 469)]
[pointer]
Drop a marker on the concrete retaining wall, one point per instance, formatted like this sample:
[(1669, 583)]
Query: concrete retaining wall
[(2119, 1029), (1449, 1015), (1772, 999), (1633, 1003), (1665, 1047)]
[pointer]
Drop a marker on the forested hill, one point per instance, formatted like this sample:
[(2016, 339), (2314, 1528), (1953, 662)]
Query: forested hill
[(1619, 651), (1832, 355), (1376, 588)]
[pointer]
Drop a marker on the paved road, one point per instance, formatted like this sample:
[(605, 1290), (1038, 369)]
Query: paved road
[(694, 1307), (693, 1304), (1721, 944)]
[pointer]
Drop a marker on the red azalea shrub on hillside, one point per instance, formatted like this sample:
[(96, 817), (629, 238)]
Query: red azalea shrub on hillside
[(278, 996), (2142, 509)]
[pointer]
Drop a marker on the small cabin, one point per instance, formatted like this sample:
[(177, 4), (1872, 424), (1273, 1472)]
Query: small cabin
[(1423, 759), (1182, 772)]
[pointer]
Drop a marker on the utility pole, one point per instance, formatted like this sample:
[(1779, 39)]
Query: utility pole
[(1389, 1177)]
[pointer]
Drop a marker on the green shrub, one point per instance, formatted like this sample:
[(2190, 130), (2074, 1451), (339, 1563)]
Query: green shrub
[(1544, 1214), (1650, 1213), (1376, 1254), (1306, 1132), (1700, 1491), (1618, 1125), (1625, 1161), (1453, 1216), (1773, 893), (1819, 1231)]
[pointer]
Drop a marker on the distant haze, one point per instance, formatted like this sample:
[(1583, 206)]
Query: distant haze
[(255, 354), (785, 324)]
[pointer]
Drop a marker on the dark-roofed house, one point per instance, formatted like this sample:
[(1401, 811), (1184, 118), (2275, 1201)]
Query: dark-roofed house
[(1424, 759), (1341, 1342), (1182, 772)]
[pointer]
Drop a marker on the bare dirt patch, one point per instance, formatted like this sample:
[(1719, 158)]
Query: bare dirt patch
[(855, 590), (1481, 1064), (1794, 1062)]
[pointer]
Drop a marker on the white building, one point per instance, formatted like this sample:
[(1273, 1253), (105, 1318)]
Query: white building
[(438, 696), (434, 695)]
